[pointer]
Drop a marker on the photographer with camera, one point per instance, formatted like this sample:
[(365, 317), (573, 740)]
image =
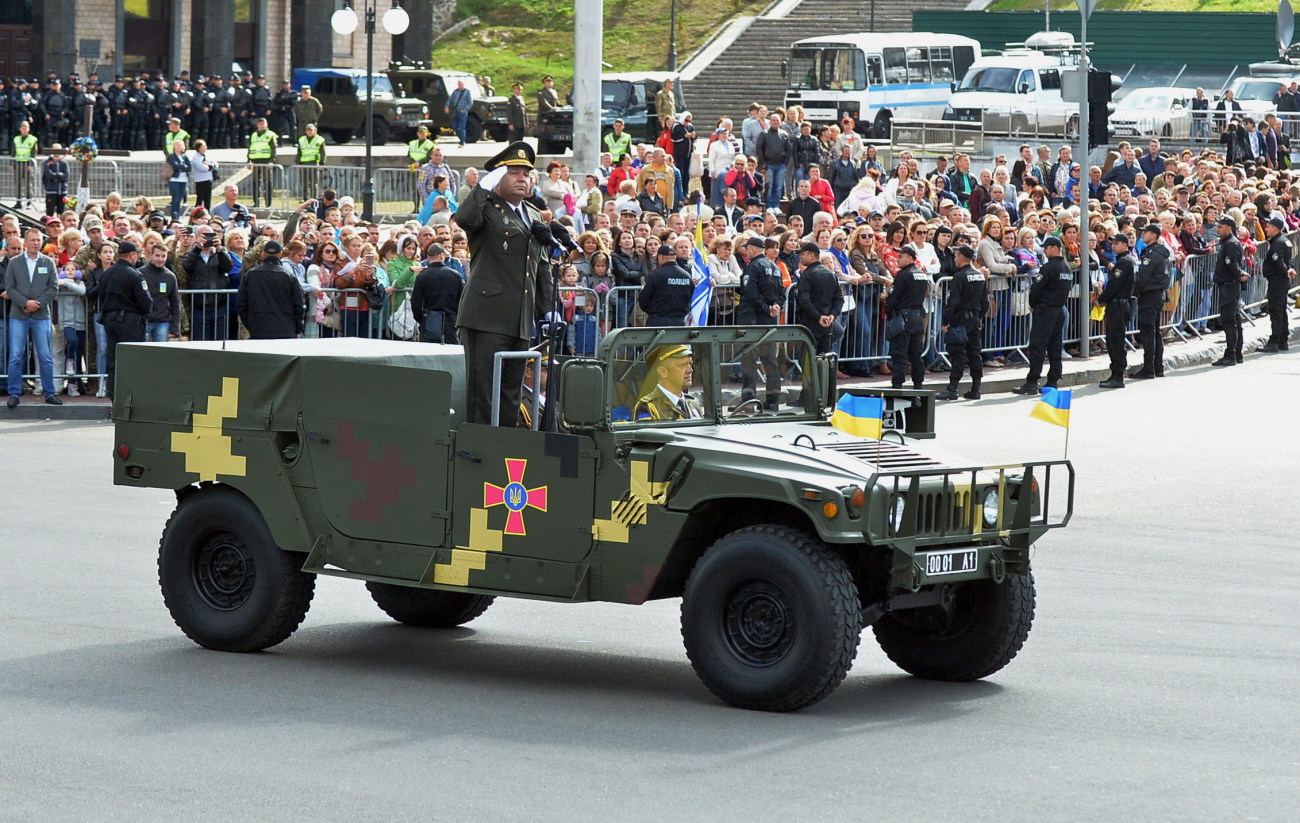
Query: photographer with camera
[(207, 266)]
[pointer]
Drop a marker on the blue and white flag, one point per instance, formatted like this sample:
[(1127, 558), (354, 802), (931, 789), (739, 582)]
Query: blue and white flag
[(703, 294)]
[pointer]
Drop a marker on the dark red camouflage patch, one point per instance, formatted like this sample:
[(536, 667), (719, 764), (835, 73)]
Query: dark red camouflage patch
[(384, 479)]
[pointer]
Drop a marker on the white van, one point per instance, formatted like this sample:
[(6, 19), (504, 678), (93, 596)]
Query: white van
[(1019, 91)]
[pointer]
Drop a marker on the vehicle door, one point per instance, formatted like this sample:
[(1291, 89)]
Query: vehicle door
[(523, 493)]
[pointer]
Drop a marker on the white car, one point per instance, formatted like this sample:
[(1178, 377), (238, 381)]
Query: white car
[(1158, 111)]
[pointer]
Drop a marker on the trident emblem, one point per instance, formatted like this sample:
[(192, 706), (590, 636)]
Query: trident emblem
[(514, 496)]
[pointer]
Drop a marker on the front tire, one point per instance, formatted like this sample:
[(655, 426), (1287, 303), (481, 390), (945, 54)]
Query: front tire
[(771, 619), (985, 628), (428, 609), (225, 582), (342, 136), (379, 131)]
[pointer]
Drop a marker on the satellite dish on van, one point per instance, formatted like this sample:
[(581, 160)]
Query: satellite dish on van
[(1285, 27)]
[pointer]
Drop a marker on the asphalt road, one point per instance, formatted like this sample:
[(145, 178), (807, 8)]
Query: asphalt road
[(1158, 684)]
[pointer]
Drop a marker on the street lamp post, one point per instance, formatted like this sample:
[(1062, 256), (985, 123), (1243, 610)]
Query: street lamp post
[(672, 36), (395, 21)]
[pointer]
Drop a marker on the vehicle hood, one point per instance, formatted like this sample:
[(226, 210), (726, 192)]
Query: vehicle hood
[(823, 454)]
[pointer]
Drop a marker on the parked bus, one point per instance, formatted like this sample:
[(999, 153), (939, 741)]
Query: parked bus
[(871, 77)]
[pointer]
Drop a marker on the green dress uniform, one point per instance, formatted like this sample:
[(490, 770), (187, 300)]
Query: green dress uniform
[(658, 406), (508, 288)]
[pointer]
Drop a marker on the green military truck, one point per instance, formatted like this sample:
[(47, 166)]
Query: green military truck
[(487, 115), (342, 93), (627, 96), (784, 536)]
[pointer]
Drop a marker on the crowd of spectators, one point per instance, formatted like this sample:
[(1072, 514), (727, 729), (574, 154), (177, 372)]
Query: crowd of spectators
[(779, 179)]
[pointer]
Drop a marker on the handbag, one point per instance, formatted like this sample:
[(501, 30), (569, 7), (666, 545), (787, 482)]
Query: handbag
[(166, 172), (850, 301), (328, 315), (402, 323), (1019, 303), (375, 296), (1098, 313), (434, 322)]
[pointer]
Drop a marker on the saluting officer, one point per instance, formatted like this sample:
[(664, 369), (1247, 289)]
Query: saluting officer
[(1229, 273), (508, 287), (907, 300), (1278, 272), (1117, 297), (1150, 286), (1047, 298), (968, 302)]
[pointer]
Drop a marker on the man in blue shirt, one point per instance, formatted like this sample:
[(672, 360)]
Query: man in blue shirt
[(458, 106)]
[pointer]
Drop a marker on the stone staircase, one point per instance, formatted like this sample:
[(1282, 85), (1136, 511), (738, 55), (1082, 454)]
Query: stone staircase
[(749, 69)]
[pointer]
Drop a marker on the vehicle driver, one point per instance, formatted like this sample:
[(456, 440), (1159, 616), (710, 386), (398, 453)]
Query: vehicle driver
[(664, 395)]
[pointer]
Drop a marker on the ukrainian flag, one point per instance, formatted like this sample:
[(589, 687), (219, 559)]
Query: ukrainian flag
[(1053, 407), (860, 416)]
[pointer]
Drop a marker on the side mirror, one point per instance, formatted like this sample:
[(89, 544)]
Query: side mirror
[(785, 69), (1024, 88), (582, 393), (952, 86), (825, 376)]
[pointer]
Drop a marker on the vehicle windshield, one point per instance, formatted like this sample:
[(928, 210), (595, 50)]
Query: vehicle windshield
[(614, 94), (803, 69), (1255, 89), (728, 374), (382, 85), (990, 78), (1148, 101)]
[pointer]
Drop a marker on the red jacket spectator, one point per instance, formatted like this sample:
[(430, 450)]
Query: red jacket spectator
[(822, 193)]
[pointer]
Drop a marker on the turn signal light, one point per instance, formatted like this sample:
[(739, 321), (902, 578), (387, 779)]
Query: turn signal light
[(123, 450), (830, 509), (858, 498)]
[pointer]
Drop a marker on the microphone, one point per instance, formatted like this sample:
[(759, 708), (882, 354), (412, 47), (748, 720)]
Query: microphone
[(543, 234), (562, 236)]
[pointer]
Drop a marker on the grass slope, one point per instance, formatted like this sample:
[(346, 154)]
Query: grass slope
[(525, 39)]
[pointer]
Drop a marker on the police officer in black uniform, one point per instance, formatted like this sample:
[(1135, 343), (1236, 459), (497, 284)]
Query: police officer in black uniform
[(907, 300), (140, 113), (119, 113), (761, 295), (57, 124), (6, 130), (666, 295), (968, 303), (1150, 287), (1278, 272), (285, 125), (1047, 298), (201, 102), (1117, 297), (819, 298), (222, 119), (260, 100), (244, 120), (1229, 275), (124, 303)]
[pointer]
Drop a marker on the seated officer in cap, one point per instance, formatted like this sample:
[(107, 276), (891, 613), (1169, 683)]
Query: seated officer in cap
[(664, 394), (508, 286)]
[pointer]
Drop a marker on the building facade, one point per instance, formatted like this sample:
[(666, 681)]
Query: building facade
[(268, 37)]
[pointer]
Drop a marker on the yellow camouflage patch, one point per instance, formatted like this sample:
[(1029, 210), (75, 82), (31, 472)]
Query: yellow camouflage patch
[(630, 510), (207, 451)]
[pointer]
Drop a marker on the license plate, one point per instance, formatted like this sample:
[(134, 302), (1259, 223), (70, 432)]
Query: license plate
[(958, 561), (561, 135)]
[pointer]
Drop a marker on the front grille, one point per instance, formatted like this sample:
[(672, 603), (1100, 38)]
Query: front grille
[(944, 512), (888, 456)]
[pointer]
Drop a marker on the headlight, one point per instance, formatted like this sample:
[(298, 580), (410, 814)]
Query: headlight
[(896, 514), (399, 111), (424, 111), (991, 507)]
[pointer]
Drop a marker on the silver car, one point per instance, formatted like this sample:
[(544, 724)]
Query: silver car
[(1156, 111)]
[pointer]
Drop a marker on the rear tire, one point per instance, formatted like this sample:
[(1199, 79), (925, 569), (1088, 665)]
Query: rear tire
[(545, 146), (225, 582), (473, 129), (426, 608), (342, 136), (988, 625), (771, 619), (882, 127)]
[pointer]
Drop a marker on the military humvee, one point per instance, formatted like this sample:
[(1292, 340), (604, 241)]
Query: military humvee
[(783, 535)]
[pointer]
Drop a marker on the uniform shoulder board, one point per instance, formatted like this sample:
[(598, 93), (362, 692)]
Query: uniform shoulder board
[(1286, 242)]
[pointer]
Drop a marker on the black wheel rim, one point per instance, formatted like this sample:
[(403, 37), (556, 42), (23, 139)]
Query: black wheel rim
[(224, 572), (759, 623)]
